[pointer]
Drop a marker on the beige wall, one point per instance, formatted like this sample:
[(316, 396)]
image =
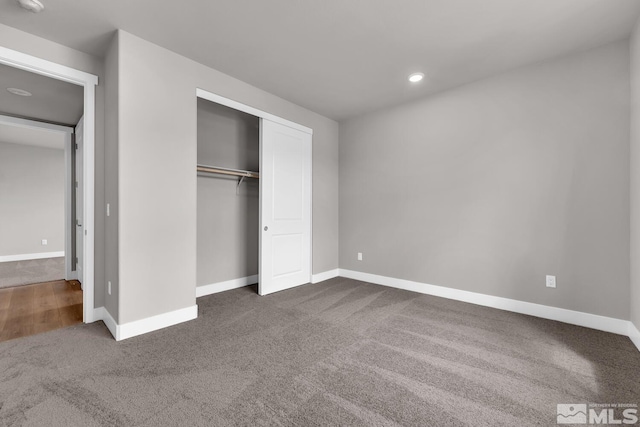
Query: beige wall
[(635, 176), (227, 231), (157, 151), (45, 49), (31, 199), (493, 185)]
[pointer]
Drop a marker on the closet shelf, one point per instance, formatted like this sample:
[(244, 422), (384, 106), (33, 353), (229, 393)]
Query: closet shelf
[(227, 171)]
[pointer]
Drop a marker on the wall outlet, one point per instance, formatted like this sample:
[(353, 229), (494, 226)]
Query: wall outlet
[(109, 287), (44, 242), (551, 281), (359, 256), (108, 210)]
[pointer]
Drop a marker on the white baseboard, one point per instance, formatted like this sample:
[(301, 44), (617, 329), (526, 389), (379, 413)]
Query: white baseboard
[(142, 326), (325, 275), (25, 257), (103, 314), (214, 288), (95, 315), (153, 323), (594, 321), (634, 335)]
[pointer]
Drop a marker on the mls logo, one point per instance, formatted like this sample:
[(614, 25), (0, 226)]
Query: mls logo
[(572, 413)]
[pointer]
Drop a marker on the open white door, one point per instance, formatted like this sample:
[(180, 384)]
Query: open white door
[(285, 207), (69, 208), (79, 175)]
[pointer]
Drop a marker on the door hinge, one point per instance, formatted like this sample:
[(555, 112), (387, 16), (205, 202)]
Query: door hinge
[(76, 184), (76, 146), (76, 260)]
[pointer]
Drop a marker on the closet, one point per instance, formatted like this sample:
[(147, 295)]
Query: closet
[(254, 198)]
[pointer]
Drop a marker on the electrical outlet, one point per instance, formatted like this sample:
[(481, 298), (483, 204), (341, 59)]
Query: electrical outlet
[(44, 242), (359, 256), (109, 287), (551, 281)]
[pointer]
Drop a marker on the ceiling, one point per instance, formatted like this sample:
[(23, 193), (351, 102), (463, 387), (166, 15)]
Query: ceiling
[(342, 58), (32, 136), (51, 100)]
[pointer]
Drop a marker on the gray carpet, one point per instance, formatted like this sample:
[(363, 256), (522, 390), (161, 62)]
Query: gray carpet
[(341, 352), (31, 271)]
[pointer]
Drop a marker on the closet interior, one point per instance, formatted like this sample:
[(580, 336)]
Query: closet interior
[(228, 194)]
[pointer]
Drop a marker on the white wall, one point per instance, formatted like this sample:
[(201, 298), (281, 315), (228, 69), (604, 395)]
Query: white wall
[(493, 185), (32, 183)]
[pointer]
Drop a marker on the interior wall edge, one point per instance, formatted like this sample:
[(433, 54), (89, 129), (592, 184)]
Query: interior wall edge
[(634, 191), (110, 161), (101, 313)]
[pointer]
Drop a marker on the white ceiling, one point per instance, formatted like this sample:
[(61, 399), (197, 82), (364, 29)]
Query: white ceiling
[(342, 58), (31, 136), (52, 100)]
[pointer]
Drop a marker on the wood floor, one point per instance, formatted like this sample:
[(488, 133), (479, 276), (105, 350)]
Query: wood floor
[(33, 309)]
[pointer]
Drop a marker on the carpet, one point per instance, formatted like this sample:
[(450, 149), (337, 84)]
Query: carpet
[(340, 352), (31, 271)]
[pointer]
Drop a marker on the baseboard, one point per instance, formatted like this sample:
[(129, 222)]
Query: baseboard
[(325, 275), (153, 323), (26, 257), (103, 314), (634, 335), (214, 288), (594, 321), (139, 327), (95, 315)]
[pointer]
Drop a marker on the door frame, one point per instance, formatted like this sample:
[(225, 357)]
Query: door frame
[(218, 99), (69, 273), (23, 61), (210, 96)]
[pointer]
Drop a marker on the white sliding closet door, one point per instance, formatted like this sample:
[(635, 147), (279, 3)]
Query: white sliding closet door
[(285, 207)]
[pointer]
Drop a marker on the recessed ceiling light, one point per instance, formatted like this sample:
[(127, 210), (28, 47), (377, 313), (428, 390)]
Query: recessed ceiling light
[(416, 77), (19, 92), (34, 6)]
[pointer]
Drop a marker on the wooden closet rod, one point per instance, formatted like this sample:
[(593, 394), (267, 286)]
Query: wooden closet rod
[(227, 171)]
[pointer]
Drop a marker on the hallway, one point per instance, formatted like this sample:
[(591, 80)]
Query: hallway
[(33, 309)]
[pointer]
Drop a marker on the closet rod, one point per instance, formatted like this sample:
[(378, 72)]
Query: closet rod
[(227, 171)]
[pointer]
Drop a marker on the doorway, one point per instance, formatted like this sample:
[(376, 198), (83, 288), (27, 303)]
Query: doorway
[(40, 276), (86, 82)]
